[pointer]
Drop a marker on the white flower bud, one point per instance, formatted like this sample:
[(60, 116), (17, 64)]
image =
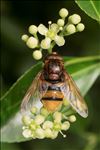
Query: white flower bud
[(45, 44), (60, 41), (40, 133), (32, 42), (47, 124), (60, 22), (25, 37), (26, 120), (63, 12), (42, 29), (57, 117), (65, 125), (33, 29), (80, 27), (71, 29), (37, 54), (75, 19), (44, 111), (72, 118), (54, 134), (48, 133), (27, 133), (39, 119), (60, 28), (34, 109)]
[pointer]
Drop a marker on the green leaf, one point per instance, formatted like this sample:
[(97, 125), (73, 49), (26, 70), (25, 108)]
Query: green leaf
[(10, 102), (90, 7), (84, 70)]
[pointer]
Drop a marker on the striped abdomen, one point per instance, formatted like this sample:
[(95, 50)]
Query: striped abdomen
[(53, 98)]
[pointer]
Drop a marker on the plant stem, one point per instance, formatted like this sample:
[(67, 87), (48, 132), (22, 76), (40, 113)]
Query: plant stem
[(52, 45), (49, 50)]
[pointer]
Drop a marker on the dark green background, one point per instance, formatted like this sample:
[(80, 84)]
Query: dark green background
[(16, 58)]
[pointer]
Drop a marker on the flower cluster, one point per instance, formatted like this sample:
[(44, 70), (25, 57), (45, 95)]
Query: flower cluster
[(54, 34), (43, 124)]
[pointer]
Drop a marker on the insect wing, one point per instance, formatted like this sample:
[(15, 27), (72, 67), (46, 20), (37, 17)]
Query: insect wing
[(34, 94), (72, 94)]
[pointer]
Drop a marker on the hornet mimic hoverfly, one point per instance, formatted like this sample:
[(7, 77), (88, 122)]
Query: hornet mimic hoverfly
[(53, 84)]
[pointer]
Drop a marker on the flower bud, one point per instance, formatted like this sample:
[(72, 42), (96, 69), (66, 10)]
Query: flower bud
[(65, 125), (70, 29), (37, 54), (60, 41), (40, 133), (26, 120), (54, 134), (44, 111), (80, 27), (33, 29), (27, 133), (75, 19), (47, 124), (60, 28), (63, 12), (60, 22), (39, 119), (32, 42), (25, 37), (45, 44), (48, 133), (34, 109), (72, 118), (57, 117)]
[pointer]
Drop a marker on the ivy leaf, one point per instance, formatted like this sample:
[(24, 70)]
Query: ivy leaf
[(84, 71), (90, 7)]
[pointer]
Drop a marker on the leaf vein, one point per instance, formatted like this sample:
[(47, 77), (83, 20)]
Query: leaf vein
[(97, 13)]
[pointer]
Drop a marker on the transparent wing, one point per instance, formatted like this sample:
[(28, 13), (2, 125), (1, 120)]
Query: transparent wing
[(34, 94), (72, 94)]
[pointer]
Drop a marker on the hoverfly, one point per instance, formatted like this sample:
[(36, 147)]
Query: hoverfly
[(52, 85)]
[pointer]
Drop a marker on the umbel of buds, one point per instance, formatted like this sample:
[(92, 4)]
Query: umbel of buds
[(53, 34), (43, 124)]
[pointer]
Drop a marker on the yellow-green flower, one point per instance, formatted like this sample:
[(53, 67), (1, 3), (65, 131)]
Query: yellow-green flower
[(39, 125), (50, 34)]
